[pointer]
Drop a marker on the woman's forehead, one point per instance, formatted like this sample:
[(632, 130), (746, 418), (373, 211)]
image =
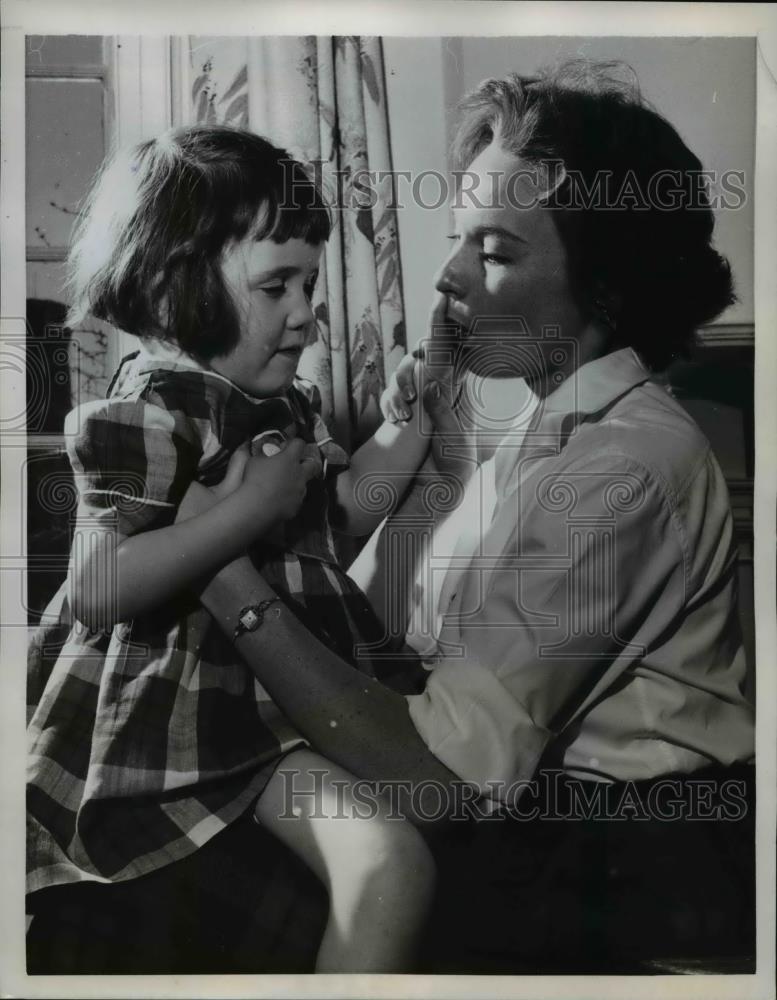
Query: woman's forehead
[(501, 190), (525, 222)]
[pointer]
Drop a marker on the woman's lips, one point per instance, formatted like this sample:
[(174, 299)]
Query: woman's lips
[(460, 328)]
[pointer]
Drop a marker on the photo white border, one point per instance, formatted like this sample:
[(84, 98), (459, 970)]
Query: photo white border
[(397, 17)]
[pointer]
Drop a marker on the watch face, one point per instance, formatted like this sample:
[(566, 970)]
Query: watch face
[(250, 619)]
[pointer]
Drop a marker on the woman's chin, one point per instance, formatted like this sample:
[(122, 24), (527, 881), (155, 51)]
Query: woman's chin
[(484, 361)]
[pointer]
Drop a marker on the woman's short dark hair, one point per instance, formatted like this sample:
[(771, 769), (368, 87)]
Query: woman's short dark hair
[(146, 251), (649, 254)]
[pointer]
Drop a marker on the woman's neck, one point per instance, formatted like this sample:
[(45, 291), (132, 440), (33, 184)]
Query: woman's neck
[(593, 342)]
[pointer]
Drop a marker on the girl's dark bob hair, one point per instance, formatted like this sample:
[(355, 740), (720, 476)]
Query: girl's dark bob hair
[(629, 199), (146, 251)]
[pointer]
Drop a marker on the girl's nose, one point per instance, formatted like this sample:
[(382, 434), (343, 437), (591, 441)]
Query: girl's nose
[(302, 314)]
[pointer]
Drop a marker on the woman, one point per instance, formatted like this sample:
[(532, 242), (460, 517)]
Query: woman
[(595, 635)]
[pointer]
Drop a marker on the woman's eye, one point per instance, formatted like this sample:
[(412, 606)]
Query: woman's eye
[(274, 291), (494, 258)]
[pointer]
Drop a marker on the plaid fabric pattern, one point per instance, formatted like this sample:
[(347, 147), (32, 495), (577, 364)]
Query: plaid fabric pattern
[(146, 741)]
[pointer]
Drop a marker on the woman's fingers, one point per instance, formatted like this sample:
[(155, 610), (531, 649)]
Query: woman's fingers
[(442, 345), (438, 406), (437, 316)]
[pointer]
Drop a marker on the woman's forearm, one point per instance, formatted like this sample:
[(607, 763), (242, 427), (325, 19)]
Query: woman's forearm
[(357, 722)]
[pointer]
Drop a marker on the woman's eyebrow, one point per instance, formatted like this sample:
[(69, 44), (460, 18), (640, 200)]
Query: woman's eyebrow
[(481, 231)]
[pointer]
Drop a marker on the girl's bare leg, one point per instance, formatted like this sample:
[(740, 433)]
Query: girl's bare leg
[(379, 871)]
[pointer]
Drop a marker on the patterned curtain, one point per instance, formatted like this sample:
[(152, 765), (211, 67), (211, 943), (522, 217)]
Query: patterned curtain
[(324, 100)]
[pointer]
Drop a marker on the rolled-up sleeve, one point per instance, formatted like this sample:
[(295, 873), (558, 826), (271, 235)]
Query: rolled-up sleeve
[(592, 562)]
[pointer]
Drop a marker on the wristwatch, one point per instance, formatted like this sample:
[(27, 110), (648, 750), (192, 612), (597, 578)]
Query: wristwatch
[(251, 617)]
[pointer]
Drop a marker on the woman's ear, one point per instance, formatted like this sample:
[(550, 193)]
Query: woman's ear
[(606, 306)]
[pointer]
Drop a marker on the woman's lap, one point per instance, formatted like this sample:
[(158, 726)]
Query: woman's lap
[(514, 897), (594, 896)]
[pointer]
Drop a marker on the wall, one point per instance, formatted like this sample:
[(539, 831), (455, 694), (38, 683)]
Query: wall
[(415, 95), (704, 86)]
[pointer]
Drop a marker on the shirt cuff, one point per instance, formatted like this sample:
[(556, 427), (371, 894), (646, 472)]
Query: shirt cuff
[(473, 724)]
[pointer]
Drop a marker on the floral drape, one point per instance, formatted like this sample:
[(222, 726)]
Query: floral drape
[(323, 99)]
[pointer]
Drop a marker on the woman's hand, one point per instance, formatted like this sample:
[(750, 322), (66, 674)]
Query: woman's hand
[(432, 362), (433, 374)]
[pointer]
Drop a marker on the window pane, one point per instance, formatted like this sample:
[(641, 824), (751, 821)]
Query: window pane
[(72, 368), (65, 146), (63, 50)]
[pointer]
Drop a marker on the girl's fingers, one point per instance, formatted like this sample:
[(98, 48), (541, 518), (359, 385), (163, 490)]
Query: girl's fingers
[(311, 463), (294, 449), (233, 477), (385, 406), (405, 378)]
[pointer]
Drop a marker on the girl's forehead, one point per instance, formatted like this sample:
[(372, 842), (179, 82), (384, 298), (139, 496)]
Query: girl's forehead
[(263, 255)]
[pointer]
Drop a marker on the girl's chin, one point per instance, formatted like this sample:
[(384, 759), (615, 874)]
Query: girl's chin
[(262, 387)]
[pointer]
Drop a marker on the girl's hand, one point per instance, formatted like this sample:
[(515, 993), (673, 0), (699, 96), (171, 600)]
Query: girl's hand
[(402, 390), (275, 486), (454, 449), (265, 490), (233, 477)]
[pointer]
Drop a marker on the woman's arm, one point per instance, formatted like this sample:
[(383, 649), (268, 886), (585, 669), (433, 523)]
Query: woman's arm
[(362, 725), (350, 718)]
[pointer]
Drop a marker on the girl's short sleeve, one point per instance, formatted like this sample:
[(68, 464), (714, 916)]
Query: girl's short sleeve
[(133, 461)]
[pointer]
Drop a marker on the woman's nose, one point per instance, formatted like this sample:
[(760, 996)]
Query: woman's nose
[(449, 279)]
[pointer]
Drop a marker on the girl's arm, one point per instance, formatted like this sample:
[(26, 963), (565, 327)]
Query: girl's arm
[(116, 578), (390, 458), (397, 449)]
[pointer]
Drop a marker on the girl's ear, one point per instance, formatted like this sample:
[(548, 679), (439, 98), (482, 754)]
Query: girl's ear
[(161, 301)]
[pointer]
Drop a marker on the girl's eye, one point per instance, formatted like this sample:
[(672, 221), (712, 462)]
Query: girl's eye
[(274, 291)]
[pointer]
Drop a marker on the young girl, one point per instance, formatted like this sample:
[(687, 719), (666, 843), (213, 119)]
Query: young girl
[(148, 736)]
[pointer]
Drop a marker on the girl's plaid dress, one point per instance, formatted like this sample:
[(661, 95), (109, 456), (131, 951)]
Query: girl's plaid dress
[(147, 740)]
